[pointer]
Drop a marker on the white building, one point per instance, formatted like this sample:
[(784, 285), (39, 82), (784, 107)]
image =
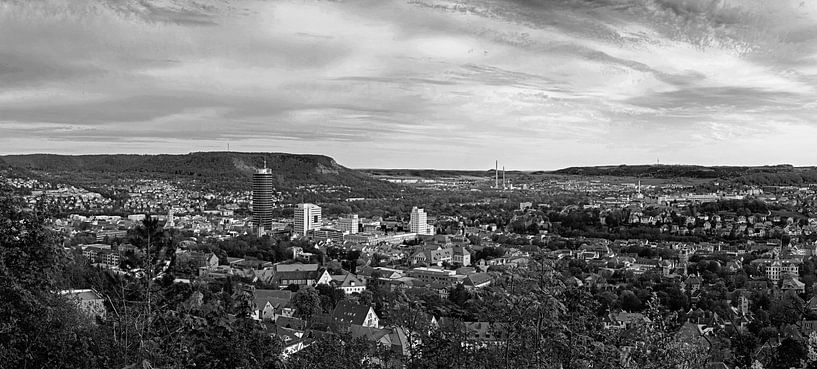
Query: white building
[(349, 225), (307, 217), (779, 270), (136, 217), (419, 222)]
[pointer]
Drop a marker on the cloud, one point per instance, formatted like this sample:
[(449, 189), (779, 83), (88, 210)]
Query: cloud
[(418, 83)]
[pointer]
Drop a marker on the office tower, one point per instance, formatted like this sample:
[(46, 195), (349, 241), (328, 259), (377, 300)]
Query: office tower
[(349, 224), (262, 195), (307, 217), (171, 220), (419, 222)]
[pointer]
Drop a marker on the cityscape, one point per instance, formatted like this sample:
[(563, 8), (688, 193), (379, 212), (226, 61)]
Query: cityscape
[(408, 184), (639, 255)]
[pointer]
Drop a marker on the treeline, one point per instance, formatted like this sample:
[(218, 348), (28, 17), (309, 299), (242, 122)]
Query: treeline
[(740, 207), (796, 178), (776, 175), (679, 171), (262, 248), (210, 170)]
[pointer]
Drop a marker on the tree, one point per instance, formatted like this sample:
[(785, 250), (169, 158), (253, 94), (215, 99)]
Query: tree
[(351, 260), (38, 328), (629, 301), (413, 323), (656, 344), (790, 354), (366, 298), (307, 303), (341, 351), (330, 296), (459, 295)]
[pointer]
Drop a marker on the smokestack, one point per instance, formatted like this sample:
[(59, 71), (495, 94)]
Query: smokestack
[(496, 175), (504, 184)]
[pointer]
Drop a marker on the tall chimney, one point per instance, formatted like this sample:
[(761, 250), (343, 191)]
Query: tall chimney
[(496, 175)]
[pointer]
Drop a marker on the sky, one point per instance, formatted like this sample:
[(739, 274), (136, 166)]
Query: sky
[(535, 84)]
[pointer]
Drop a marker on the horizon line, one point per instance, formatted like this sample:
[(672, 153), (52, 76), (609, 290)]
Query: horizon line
[(418, 168)]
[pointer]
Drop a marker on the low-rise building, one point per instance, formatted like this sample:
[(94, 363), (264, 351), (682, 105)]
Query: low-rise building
[(349, 283), (90, 302)]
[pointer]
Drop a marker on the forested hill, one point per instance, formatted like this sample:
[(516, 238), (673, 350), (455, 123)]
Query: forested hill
[(230, 168), (757, 175)]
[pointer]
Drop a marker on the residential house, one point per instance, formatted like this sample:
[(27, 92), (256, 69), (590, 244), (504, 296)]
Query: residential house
[(393, 338), (622, 320), (234, 261), (349, 283), (217, 272), (251, 264), (812, 304), (197, 259), (461, 256), (270, 304), (374, 334), (481, 334), (792, 284), (301, 278), (808, 326), (347, 313), (434, 257), (693, 283), (293, 340), (300, 274), (290, 322), (476, 280), (440, 288), (394, 284)]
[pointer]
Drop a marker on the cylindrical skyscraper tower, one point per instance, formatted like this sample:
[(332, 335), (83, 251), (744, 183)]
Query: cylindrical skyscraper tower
[(262, 195)]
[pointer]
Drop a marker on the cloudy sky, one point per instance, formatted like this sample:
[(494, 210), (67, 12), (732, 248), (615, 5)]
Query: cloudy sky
[(536, 84)]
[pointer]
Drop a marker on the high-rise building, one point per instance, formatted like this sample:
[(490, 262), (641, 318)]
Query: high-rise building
[(307, 217), (419, 221), (262, 195), (171, 220), (349, 224)]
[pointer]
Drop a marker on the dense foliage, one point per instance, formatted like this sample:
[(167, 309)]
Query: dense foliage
[(148, 319), (676, 171)]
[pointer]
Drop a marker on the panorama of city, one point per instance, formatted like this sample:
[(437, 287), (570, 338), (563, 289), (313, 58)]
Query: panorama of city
[(408, 184), (621, 267)]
